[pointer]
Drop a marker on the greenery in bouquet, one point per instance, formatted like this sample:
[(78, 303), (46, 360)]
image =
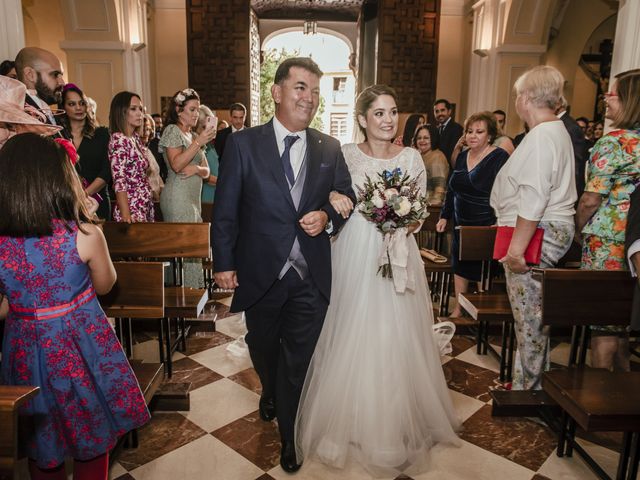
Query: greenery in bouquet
[(393, 200)]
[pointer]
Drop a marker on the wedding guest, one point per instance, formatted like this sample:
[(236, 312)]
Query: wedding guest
[(8, 69), (209, 184), (146, 132), (598, 130), (613, 173), (535, 188), (502, 140), (449, 132), (413, 122), (467, 200), (435, 164), (237, 117), (92, 145), (129, 164), (182, 150), (579, 143), (222, 124), (42, 73), (57, 337)]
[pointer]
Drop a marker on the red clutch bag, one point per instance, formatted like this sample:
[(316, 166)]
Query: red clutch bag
[(531, 254)]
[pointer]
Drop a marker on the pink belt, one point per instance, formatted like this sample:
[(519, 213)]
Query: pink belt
[(47, 313)]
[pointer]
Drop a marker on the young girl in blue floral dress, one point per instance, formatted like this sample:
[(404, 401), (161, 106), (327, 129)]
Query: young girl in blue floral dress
[(53, 263)]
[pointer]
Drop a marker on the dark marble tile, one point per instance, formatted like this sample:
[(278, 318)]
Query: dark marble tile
[(403, 477), (186, 370), (215, 311), (266, 476), (254, 439), (202, 341), (520, 440), (470, 380), (126, 476), (163, 434), (249, 379), (461, 344), (537, 476)]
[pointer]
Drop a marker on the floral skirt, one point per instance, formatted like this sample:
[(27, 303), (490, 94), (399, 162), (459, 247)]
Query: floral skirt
[(603, 254)]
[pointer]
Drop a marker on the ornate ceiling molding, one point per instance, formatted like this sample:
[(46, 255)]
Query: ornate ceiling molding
[(337, 10)]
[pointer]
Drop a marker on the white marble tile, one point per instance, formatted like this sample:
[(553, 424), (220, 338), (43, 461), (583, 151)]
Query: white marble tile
[(203, 459), (465, 406), (488, 361), (220, 360), (219, 403), (149, 352), (313, 470), (470, 462), (569, 468), (445, 358), (232, 326)]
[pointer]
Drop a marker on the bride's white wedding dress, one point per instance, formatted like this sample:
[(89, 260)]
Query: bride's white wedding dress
[(375, 391)]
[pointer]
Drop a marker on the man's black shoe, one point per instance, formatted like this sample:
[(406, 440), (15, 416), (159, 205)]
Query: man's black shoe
[(288, 460), (267, 408)]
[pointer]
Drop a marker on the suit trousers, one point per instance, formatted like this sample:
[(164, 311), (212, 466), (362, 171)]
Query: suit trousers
[(283, 329)]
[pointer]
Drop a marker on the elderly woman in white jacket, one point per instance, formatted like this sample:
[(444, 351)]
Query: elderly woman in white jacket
[(535, 188)]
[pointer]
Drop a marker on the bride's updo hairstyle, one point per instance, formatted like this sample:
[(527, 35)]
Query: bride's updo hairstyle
[(367, 97)]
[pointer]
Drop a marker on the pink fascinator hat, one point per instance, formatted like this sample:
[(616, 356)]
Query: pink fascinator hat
[(13, 110)]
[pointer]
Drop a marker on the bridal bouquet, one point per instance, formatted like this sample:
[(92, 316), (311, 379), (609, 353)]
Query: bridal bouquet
[(393, 202)]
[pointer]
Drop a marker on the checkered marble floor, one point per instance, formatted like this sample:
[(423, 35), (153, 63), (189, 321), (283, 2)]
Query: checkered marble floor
[(222, 436)]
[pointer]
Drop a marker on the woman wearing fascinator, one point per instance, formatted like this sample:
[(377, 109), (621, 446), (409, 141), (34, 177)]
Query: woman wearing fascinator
[(183, 152), (13, 117)]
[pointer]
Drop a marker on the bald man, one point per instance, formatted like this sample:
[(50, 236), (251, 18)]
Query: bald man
[(41, 71)]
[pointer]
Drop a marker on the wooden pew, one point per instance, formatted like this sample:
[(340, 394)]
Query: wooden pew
[(487, 306), (440, 275), (138, 293), (11, 398), (579, 298), (166, 241)]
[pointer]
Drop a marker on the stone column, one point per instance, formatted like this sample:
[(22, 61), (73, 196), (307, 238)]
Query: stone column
[(626, 47), (11, 29)]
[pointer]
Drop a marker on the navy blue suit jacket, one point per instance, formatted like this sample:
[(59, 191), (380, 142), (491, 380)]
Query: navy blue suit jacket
[(254, 219)]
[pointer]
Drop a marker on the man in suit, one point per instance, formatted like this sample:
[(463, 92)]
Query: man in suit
[(270, 240), (580, 148), (449, 132), (237, 114), (42, 73), (632, 245)]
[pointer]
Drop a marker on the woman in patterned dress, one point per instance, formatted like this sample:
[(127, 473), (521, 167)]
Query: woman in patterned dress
[(613, 173), (184, 155), (129, 164), (53, 263)]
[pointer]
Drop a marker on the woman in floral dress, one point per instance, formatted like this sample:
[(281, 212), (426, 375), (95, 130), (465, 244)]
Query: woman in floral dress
[(129, 164), (613, 173)]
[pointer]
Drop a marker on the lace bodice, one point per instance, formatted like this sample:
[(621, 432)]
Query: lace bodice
[(360, 165)]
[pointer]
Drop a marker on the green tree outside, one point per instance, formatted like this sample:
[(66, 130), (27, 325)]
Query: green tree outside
[(273, 58)]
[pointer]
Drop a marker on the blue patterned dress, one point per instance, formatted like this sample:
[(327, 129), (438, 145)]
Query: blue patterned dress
[(58, 338)]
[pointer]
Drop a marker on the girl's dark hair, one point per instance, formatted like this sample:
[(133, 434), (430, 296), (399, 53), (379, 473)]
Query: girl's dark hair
[(410, 128), (37, 185), (178, 101), (118, 111), (6, 66), (89, 124)]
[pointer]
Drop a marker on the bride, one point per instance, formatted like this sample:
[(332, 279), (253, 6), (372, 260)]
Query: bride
[(375, 391)]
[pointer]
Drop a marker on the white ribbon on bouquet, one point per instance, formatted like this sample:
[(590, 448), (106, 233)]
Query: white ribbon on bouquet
[(395, 250)]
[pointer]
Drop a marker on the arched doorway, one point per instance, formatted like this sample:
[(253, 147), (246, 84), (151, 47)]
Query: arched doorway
[(332, 52)]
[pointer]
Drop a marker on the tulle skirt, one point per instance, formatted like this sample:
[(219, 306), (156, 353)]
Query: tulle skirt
[(375, 391)]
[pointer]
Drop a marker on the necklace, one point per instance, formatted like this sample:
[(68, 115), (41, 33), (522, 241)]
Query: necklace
[(472, 164)]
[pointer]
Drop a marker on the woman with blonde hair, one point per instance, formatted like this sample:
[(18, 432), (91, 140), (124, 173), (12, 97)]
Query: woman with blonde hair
[(613, 173), (535, 188)]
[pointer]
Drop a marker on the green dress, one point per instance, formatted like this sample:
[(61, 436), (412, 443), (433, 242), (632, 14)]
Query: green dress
[(180, 198)]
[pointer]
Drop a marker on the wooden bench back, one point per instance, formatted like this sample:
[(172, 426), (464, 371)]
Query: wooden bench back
[(476, 243), (572, 297), (138, 292), (11, 398), (157, 240)]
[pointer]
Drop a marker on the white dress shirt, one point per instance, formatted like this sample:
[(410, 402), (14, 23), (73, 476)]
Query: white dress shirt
[(298, 149), (634, 248), (42, 105)]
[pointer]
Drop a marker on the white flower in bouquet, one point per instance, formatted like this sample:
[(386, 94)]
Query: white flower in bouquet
[(417, 206), (403, 207), (390, 192), (377, 200), (404, 190)]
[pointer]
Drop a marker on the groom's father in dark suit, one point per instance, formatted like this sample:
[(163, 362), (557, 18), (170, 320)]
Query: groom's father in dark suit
[(270, 240)]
